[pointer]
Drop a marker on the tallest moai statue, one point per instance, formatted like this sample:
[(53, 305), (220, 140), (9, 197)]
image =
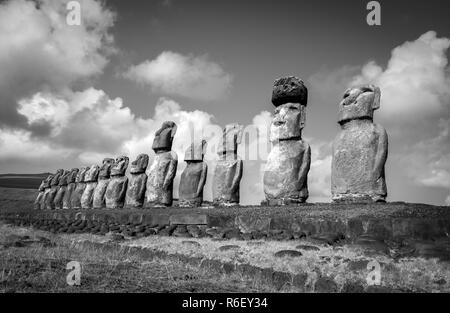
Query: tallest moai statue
[(360, 149), (287, 167)]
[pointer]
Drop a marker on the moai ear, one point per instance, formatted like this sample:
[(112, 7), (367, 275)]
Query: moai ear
[(204, 145), (127, 160), (377, 96), (302, 116), (239, 134)]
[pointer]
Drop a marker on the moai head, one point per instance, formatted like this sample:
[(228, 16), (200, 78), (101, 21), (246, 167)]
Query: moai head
[(81, 174), (92, 174), (48, 180), (105, 169), (42, 186), (63, 178), (359, 103), (120, 166), (195, 152), (232, 136), (290, 97), (56, 177), (164, 137), (73, 175), (140, 164)]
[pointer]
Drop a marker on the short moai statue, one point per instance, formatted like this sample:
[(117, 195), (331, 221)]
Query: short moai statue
[(62, 190), (75, 198), (91, 182), (136, 186), (360, 149), (286, 172), (71, 185), (37, 202), (54, 186), (162, 171), (228, 170), (117, 186), (47, 187), (98, 201), (193, 178)]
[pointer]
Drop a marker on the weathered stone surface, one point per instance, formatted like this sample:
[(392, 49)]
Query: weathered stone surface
[(62, 184), (91, 183), (360, 149), (162, 171), (135, 195), (41, 189), (288, 163), (75, 198), (117, 186), (46, 192), (289, 89), (228, 171), (98, 200), (193, 177), (50, 199), (71, 185)]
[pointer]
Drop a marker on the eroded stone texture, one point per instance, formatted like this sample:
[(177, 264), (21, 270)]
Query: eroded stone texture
[(136, 187), (228, 171), (193, 177), (91, 182), (98, 201), (40, 196), (71, 185), (75, 198), (162, 171), (62, 188), (360, 149), (50, 199), (46, 191), (288, 163), (117, 186)]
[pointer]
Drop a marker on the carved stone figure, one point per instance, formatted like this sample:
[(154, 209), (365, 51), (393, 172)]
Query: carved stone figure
[(50, 200), (228, 171), (193, 178), (75, 198), (360, 149), (136, 186), (162, 171), (41, 189), (117, 187), (71, 185), (288, 163), (47, 186), (102, 183), (62, 184), (91, 182)]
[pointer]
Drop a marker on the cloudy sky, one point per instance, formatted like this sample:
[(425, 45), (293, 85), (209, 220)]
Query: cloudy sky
[(71, 95)]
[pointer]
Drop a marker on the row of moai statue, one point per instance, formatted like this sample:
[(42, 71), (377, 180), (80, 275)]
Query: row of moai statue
[(357, 175)]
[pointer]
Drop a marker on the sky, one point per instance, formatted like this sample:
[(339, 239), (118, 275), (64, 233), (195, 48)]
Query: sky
[(71, 95)]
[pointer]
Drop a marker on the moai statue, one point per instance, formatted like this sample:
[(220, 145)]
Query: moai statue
[(136, 187), (163, 168), (41, 189), (228, 171), (98, 201), (117, 186), (75, 198), (193, 178), (71, 185), (288, 163), (47, 186), (91, 182), (50, 200), (360, 149), (62, 190)]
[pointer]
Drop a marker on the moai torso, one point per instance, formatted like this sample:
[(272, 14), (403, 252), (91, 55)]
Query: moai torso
[(71, 185), (43, 203), (98, 201), (37, 202), (286, 172), (359, 150), (193, 178), (75, 199), (50, 200), (162, 171), (117, 186), (137, 184), (228, 170), (91, 182), (61, 190)]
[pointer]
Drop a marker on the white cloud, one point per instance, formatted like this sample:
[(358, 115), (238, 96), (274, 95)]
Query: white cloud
[(447, 200), (171, 73)]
